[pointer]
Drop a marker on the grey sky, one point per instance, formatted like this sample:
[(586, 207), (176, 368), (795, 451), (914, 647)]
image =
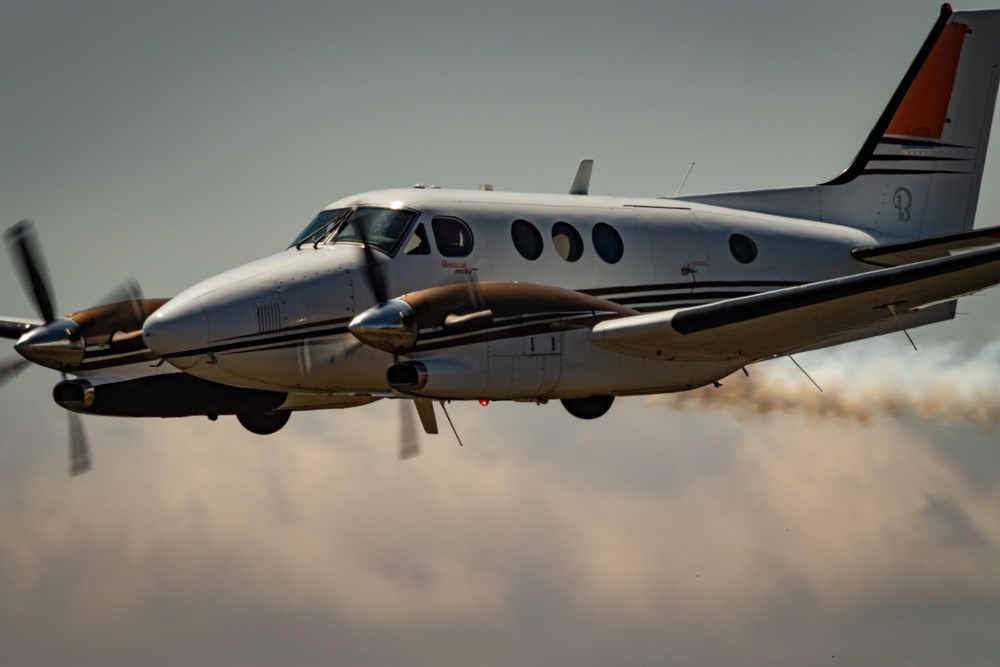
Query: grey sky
[(170, 141)]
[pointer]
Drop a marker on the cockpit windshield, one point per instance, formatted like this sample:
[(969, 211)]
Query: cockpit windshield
[(320, 226), (384, 228)]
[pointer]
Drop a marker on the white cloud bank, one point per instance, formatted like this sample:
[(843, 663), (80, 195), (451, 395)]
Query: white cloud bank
[(788, 541)]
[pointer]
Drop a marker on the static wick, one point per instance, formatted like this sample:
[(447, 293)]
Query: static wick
[(804, 372), (681, 186), (451, 423)]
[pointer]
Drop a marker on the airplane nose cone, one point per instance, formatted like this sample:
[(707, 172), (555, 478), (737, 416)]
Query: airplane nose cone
[(178, 329)]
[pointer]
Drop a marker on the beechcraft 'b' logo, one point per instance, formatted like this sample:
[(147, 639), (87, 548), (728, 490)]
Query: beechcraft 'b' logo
[(902, 200)]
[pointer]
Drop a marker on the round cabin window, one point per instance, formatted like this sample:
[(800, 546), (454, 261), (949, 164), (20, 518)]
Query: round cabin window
[(743, 248)]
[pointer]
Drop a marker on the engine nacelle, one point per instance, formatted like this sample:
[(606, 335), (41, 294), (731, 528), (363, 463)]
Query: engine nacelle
[(167, 395), (437, 378)]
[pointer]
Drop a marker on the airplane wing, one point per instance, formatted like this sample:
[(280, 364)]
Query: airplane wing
[(788, 320), (897, 254)]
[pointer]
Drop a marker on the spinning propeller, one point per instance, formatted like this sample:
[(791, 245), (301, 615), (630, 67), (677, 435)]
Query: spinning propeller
[(60, 342), (409, 440)]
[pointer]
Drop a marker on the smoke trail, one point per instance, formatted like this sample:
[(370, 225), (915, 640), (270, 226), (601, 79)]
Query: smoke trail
[(939, 384)]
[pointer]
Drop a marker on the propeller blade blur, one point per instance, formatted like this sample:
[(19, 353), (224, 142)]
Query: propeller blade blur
[(409, 441), (79, 456), (79, 453), (475, 292), (376, 280), (13, 329), (129, 293), (22, 241), (11, 367)]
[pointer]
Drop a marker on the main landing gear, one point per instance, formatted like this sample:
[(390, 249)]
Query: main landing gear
[(264, 423), (590, 407)]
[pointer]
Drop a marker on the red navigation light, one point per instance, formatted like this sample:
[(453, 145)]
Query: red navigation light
[(484, 402)]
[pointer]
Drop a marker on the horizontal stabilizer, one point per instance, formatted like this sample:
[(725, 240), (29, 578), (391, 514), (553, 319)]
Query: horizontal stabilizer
[(898, 254), (788, 320)]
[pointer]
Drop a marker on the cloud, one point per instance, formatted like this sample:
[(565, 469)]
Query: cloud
[(194, 542)]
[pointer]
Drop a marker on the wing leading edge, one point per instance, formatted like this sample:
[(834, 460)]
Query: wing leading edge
[(788, 320)]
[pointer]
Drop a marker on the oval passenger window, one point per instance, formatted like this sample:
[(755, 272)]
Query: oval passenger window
[(567, 241), (743, 248), (608, 243), (527, 239)]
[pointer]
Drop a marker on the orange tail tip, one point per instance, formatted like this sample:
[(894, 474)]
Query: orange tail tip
[(923, 111)]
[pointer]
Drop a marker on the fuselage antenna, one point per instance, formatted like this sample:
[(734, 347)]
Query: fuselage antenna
[(681, 186)]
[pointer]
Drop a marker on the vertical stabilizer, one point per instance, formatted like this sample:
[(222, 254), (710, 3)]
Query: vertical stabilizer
[(919, 171)]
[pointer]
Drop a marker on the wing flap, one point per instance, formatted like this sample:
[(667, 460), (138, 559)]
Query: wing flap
[(784, 321)]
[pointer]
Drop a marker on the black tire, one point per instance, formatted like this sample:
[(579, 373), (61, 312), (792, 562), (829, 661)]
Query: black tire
[(264, 423), (590, 407)]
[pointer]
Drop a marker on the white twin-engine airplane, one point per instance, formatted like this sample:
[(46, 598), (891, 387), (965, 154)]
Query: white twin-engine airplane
[(432, 295)]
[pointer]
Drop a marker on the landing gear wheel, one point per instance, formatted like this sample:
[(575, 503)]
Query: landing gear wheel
[(590, 407), (264, 423)]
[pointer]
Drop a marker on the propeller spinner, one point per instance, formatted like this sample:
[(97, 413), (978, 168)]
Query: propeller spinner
[(60, 343), (55, 344), (389, 326)]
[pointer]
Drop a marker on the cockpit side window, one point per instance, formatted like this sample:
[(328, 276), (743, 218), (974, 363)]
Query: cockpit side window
[(320, 226), (418, 243), (452, 237)]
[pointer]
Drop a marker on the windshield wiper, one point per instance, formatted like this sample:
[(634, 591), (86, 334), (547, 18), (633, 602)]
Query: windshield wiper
[(323, 231)]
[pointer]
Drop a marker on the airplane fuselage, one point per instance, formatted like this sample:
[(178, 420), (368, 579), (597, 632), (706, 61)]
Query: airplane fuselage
[(280, 323)]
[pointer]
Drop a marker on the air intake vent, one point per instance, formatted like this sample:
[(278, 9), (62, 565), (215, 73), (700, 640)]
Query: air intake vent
[(74, 394), (407, 376), (268, 316)]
